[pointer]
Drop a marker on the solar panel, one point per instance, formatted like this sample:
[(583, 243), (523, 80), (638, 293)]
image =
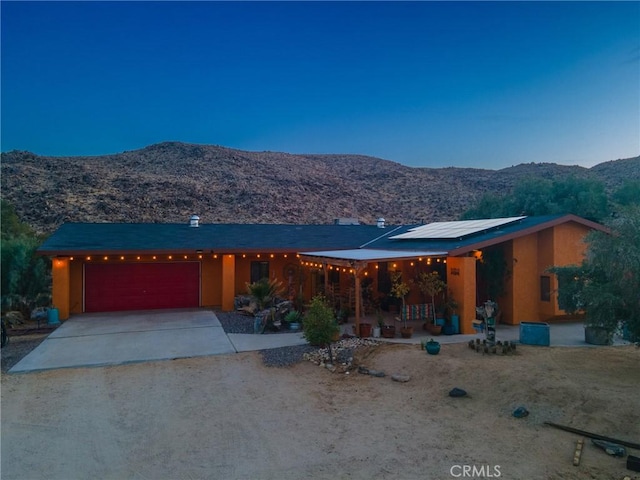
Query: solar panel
[(455, 229)]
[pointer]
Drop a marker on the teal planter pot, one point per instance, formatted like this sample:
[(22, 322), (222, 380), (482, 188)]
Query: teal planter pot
[(432, 348), (53, 316), (455, 321)]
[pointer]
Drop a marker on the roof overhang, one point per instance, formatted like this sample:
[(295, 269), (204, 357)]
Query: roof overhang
[(360, 257), (528, 231)]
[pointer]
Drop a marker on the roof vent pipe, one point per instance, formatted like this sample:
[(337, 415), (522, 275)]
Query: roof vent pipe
[(380, 222), (194, 221)]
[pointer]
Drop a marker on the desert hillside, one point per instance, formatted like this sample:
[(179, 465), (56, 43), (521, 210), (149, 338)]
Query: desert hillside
[(170, 181)]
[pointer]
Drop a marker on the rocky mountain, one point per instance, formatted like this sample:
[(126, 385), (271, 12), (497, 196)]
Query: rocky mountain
[(169, 182)]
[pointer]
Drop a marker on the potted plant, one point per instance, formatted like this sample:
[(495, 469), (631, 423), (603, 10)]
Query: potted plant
[(378, 329), (453, 321), (432, 347), (293, 320), (431, 284), (400, 289), (264, 292)]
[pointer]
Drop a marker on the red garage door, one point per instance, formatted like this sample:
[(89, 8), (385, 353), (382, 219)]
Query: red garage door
[(141, 286)]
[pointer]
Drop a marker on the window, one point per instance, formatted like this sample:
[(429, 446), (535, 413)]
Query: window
[(259, 270), (545, 288)]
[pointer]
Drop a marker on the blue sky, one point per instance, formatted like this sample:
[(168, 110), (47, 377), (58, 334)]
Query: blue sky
[(430, 84)]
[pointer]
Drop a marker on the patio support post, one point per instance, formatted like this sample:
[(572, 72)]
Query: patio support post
[(326, 279), (358, 269)]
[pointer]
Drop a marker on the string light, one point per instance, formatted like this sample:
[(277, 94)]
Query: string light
[(200, 257), (121, 258), (106, 258), (70, 258), (170, 257), (154, 257)]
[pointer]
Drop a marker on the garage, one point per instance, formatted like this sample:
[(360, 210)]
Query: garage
[(112, 287)]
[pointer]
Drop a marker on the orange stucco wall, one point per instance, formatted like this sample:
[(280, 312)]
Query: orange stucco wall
[(524, 284), (461, 282), (60, 271), (211, 286), (529, 258), (228, 281)]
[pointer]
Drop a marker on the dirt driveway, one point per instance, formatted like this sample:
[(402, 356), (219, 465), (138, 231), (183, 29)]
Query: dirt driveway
[(230, 417)]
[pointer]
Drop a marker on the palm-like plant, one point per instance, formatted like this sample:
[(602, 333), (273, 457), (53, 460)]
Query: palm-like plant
[(264, 292)]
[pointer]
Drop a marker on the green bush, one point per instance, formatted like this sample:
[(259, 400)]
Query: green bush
[(319, 324), (26, 277), (606, 285)]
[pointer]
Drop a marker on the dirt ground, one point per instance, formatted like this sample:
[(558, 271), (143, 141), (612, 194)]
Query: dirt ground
[(230, 417)]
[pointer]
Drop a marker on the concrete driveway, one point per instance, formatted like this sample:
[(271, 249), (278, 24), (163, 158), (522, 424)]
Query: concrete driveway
[(97, 339)]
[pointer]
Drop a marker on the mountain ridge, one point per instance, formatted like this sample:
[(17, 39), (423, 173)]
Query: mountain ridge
[(170, 181)]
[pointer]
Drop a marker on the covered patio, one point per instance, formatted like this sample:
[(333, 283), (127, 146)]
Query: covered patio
[(371, 266)]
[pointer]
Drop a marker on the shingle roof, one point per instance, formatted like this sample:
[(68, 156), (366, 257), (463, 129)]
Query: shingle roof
[(111, 238), (76, 238)]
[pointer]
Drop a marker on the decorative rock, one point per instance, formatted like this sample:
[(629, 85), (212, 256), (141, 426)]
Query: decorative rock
[(457, 392), (520, 412), (376, 373), (400, 378), (363, 370)]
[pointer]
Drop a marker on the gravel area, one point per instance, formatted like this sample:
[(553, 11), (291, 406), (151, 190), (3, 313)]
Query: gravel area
[(234, 322), (285, 356), (18, 348)]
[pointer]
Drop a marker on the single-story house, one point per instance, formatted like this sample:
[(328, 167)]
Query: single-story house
[(138, 266)]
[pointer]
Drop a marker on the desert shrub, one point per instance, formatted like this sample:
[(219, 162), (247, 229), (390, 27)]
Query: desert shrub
[(320, 326)]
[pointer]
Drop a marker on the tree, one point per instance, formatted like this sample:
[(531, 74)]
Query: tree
[(25, 277), (628, 194), (431, 284), (534, 197), (606, 285), (11, 226)]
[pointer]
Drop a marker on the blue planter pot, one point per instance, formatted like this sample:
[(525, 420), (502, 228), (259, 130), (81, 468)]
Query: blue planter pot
[(455, 321), (448, 329)]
